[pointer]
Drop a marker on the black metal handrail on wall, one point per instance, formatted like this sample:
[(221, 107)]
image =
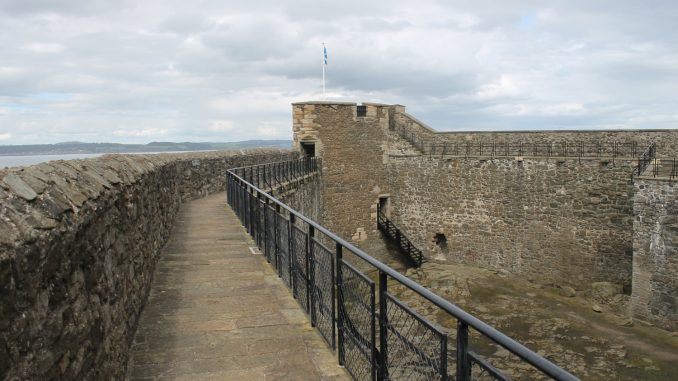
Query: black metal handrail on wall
[(559, 149), (669, 166), (376, 335), (271, 175), (396, 235), (662, 168), (646, 158)]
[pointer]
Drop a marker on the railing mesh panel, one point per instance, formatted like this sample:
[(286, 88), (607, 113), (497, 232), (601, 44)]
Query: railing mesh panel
[(299, 266), (283, 250), (357, 320), (270, 235), (417, 350), (261, 217), (321, 290)]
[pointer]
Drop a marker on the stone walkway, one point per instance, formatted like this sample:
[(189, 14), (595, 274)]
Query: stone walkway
[(218, 312)]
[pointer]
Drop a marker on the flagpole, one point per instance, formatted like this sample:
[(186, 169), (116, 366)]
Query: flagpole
[(323, 62)]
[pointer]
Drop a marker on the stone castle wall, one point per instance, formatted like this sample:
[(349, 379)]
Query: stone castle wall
[(305, 196), (405, 124), (354, 156), (655, 252), (565, 222), (78, 244), (562, 221)]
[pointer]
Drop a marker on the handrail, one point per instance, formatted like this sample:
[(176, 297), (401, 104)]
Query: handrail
[(464, 318), (433, 146), (404, 244), (661, 168), (646, 158)]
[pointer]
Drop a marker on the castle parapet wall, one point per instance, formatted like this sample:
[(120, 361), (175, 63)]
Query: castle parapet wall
[(79, 241), (423, 136)]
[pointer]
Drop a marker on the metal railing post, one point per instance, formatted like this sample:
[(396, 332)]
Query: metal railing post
[(383, 327), (276, 235), (250, 196), (290, 246), (259, 226), (266, 222), (463, 366), (309, 273), (228, 189), (340, 304), (333, 299)]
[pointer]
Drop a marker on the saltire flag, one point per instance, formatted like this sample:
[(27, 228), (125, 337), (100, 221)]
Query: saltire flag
[(325, 53)]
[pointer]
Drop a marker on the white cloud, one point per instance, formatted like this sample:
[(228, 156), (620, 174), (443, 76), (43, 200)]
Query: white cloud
[(5, 136), (187, 72), (267, 132), (220, 126), (44, 48), (535, 109), (506, 86), (146, 132)]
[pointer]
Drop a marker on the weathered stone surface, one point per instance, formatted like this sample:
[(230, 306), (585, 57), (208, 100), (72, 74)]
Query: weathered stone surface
[(568, 292), (30, 178), (226, 314), (604, 291), (17, 186), (77, 260), (655, 242), (8, 233)]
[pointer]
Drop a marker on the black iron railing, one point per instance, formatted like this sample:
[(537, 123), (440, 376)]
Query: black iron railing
[(646, 158), (396, 235), (376, 335), (565, 149), (271, 175), (662, 168)]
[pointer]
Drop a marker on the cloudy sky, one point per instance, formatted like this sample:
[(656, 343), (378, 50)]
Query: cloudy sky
[(220, 70)]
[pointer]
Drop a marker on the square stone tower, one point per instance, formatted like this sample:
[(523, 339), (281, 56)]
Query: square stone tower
[(351, 139)]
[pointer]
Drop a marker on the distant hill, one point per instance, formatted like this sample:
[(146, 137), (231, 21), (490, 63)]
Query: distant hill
[(80, 147)]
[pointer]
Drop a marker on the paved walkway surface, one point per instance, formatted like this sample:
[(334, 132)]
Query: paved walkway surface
[(218, 312)]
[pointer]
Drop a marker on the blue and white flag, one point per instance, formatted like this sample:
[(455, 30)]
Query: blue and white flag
[(325, 53)]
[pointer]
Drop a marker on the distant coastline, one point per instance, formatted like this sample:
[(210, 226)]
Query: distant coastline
[(23, 155), (72, 148)]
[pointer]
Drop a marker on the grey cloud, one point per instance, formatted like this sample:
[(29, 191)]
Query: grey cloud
[(173, 67), (88, 7)]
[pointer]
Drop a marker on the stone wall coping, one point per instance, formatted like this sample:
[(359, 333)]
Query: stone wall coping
[(161, 157), (37, 196), (325, 103), (376, 104), (422, 124), (554, 131)]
